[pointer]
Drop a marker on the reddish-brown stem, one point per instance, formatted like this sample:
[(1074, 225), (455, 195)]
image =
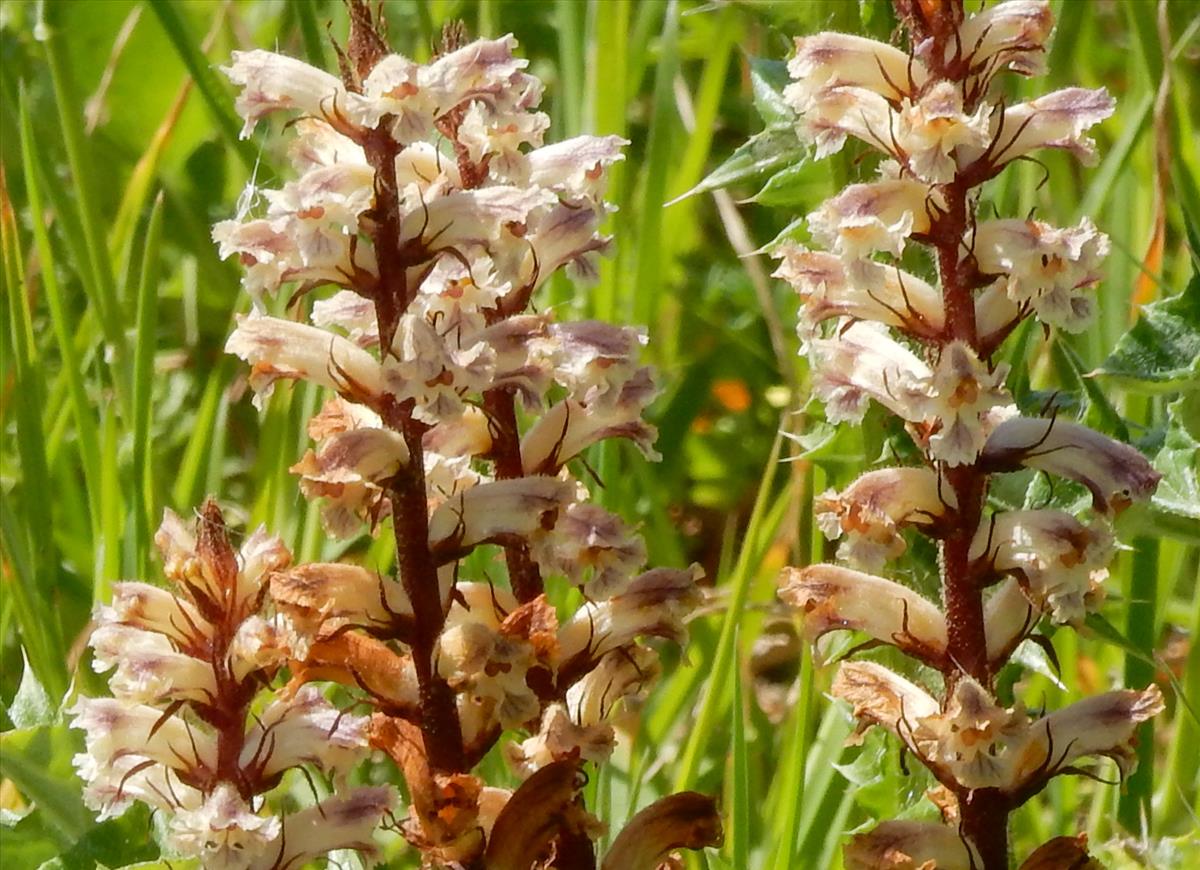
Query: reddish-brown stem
[(500, 406), (440, 725), (984, 812)]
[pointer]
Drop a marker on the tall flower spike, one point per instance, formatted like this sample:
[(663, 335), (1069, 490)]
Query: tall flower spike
[(180, 733), (924, 352), (424, 213)]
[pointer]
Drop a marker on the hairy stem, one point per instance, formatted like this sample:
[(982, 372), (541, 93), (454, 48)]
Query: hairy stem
[(500, 406), (984, 812), (440, 725)]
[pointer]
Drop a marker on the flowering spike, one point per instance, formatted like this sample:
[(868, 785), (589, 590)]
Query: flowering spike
[(924, 353)]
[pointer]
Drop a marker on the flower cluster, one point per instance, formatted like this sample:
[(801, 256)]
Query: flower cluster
[(424, 213), (923, 351), (189, 730)]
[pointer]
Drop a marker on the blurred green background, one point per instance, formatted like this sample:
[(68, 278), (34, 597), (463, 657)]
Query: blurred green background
[(117, 400)]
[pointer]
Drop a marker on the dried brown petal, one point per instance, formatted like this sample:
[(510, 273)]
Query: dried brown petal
[(545, 807), (1062, 853), (905, 845), (686, 820)]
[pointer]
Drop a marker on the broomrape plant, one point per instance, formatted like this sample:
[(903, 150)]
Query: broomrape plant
[(924, 351), (424, 197)]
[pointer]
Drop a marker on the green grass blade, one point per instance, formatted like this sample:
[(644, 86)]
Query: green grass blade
[(739, 816), (142, 502), (310, 32), (648, 255), (98, 276), (739, 585), (1133, 808), (81, 405), (215, 96)]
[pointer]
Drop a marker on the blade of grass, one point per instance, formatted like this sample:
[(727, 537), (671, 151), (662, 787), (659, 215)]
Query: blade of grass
[(88, 442), (568, 15), (41, 636), (1182, 771), (310, 32), (663, 120), (739, 584), (98, 277), (1133, 808), (193, 469), (108, 547), (211, 89), (142, 501), (739, 815)]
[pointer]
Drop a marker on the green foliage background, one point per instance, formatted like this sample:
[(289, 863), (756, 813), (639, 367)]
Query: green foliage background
[(119, 150)]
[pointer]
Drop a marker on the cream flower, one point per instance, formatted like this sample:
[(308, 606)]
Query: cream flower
[(841, 59), (1056, 120), (1049, 269), (1116, 474), (908, 845), (496, 511), (863, 362), (960, 394), (271, 82), (831, 598), (830, 287), (592, 548), (654, 604), (1010, 35), (224, 831), (570, 427), (1060, 561), (304, 729), (923, 134), (870, 513), (879, 216), (278, 348)]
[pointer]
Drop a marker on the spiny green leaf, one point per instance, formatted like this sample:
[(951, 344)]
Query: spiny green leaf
[(769, 151), (38, 761), (1161, 353), (800, 185), (768, 79), (1179, 490), (31, 706)]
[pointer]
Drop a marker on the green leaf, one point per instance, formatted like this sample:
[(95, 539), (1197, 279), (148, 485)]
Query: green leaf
[(816, 441), (767, 80), (798, 185), (31, 706), (1161, 353), (25, 841), (1179, 490), (115, 843), (766, 152), (38, 761)]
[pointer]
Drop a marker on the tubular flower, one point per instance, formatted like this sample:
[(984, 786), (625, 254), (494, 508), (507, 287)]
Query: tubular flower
[(952, 403), (1114, 473), (869, 513), (880, 216), (1059, 561), (978, 744), (179, 733), (829, 287), (832, 598), (924, 351), (1049, 269)]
